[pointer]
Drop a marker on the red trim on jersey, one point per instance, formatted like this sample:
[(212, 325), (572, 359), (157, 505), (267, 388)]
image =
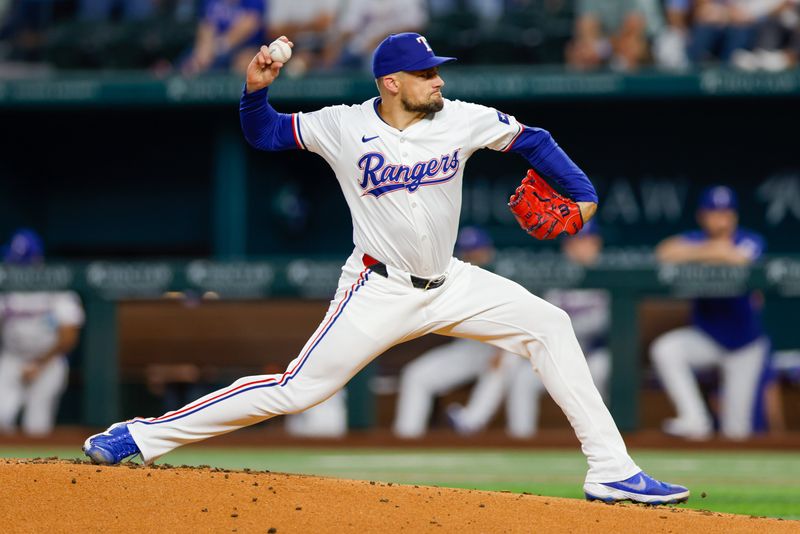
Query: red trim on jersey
[(521, 129), (295, 118)]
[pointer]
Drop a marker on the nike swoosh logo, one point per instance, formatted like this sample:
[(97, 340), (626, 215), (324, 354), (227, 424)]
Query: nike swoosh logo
[(639, 486), (365, 139)]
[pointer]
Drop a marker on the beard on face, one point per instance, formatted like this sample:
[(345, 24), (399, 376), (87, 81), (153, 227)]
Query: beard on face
[(431, 106)]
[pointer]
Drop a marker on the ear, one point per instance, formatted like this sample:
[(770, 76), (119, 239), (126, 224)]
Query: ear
[(390, 83)]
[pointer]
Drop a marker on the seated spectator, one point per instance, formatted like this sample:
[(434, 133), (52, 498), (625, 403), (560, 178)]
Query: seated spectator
[(721, 27), (669, 47), (365, 23), (309, 23), (777, 41), (38, 330), (726, 332), (228, 36), (613, 33)]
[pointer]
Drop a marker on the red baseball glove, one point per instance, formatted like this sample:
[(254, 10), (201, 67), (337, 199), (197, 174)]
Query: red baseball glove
[(541, 211)]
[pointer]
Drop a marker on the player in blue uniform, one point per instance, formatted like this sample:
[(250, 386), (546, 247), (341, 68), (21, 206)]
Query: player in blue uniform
[(725, 332)]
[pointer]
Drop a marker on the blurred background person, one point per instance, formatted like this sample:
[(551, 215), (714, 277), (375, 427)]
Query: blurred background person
[(670, 46), (362, 24), (720, 28), (228, 36), (725, 333), (38, 330), (447, 367), (509, 377), (310, 23), (327, 419), (776, 45), (613, 33)]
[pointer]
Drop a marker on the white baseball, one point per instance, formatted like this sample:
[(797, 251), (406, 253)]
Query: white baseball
[(280, 51)]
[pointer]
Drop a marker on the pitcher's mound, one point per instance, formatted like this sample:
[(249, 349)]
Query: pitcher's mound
[(63, 496)]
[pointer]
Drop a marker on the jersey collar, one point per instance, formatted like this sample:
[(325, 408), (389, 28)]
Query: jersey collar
[(428, 119)]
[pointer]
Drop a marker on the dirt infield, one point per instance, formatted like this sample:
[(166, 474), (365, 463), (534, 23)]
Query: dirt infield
[(63, 496)]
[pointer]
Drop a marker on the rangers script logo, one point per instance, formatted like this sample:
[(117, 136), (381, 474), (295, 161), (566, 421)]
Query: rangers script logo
[(379, 177)]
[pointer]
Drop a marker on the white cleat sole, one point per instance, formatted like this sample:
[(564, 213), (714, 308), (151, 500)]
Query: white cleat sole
[(600, 492)]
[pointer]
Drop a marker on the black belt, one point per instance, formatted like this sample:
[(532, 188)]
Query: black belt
[(420, 283)]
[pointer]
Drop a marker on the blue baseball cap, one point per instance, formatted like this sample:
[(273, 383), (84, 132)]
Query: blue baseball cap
[(718, 197), (472, 238), (404, 51), (24, 248)]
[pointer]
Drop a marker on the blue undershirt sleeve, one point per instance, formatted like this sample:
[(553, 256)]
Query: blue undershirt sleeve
[(263, 127), (548, 159)]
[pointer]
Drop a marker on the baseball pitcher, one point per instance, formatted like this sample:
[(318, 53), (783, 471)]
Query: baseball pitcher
[(399, 159)]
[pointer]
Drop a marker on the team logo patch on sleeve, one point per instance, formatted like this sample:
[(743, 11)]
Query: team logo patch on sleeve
[(502, 117)]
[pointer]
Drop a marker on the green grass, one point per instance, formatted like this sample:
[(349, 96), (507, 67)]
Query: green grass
[(755, 483)]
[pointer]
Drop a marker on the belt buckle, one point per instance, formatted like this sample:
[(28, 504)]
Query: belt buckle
[(438, 281)]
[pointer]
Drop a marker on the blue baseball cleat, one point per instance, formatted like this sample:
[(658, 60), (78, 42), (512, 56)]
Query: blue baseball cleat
[(639, 488), (112, 446)]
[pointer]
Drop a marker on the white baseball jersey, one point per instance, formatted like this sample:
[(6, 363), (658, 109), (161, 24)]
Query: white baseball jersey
[(30, 321), (381, 169)]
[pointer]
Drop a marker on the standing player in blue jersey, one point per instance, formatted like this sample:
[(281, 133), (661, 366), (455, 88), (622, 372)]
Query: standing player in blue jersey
[(725, 332), (399, 160)]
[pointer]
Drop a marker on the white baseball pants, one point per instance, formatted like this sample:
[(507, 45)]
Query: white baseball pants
[(522, 392), (435, 373), (371, 313), (38, 400), (327, 419), (676, 354), (513, 382)]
